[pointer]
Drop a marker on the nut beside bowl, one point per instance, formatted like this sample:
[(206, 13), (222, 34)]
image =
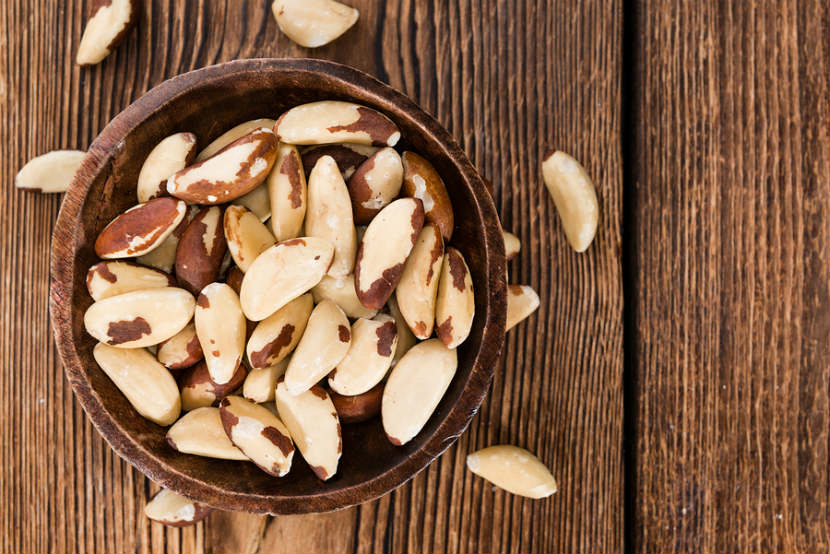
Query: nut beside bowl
[(208, 102)]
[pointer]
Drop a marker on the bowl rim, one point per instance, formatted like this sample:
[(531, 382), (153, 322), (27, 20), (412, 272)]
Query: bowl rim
[(101, 153)]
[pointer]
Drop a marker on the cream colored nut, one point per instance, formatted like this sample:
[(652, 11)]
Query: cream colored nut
[(324, 344), (182, 350), (375, 184), (348, 156), (422, 181), (575, 198), (368, 358), (258, 433), (276, 336), (260, 383), (455, 305), (313, 424), (513, 469), (232, 172), (361, 407), (406, 339), (174, 510), (198, 390), (415, 387), (340, 290), (139, 318), (331, 121), (163, 257), (107, 279), (313, 23), (247, 236), (416, 293), (220, 327), (50, 172), (257, 201), (522, 301), (147, 384), (384, 250), (105, 29), (329, 214), (288, 193), (282, 273), (201, 250), (140, 229), (512, 245), (200, 433), (169, 156), (232, 135)]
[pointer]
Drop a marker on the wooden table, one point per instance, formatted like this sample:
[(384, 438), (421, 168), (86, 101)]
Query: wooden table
[(675, 377)]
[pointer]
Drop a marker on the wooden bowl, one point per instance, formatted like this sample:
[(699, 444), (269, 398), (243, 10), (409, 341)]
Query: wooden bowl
[(207, 102)]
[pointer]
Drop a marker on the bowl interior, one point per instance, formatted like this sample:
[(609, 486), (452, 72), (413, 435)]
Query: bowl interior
[(208, 102)]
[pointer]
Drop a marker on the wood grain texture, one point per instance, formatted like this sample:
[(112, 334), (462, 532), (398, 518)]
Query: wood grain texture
[(508, 79), (732, 171)]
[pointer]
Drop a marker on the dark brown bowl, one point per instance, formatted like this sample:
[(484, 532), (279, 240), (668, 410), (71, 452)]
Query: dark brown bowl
[(207, 102)]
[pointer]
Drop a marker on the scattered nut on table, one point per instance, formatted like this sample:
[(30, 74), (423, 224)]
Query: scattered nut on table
[(313, 23), (50, 172), (513, 469), (575, 198), (106, 28), (175, 510)]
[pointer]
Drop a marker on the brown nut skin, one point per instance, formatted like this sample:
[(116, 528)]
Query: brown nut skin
[(276, 336), (375, 184), (384, 249), (421, 180), (163, 257), (198, 390), (201, 250), (180, 351), (140, 229), (356, 409), (234, 279), (347, 156), (232, 172)]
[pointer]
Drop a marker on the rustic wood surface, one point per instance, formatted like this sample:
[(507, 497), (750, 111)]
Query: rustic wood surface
[(728, 217), (504, 78), (718, 114)]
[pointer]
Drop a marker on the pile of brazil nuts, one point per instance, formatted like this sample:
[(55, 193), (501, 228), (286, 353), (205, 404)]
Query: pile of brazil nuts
[(293, 276)]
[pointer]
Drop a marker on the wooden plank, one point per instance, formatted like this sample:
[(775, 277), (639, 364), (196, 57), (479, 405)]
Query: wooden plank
[(508, 79), (730, 276)]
